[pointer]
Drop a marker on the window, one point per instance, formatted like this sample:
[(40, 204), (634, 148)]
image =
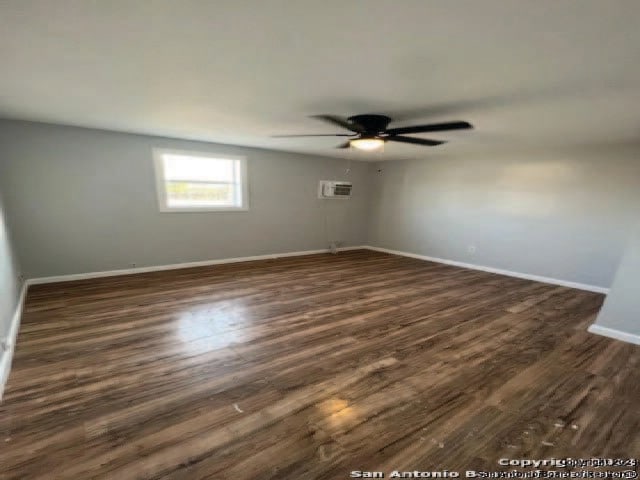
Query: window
[(200, 182)]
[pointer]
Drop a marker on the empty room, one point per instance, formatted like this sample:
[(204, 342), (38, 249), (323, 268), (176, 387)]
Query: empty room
[(319, 240)]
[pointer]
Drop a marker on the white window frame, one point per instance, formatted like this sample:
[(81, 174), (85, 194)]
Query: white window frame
[(162, 193)]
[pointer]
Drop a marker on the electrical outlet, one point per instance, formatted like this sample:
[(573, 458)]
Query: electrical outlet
[(133, 265), (471, 249)]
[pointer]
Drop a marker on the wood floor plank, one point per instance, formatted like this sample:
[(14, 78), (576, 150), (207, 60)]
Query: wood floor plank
[(308, 368)]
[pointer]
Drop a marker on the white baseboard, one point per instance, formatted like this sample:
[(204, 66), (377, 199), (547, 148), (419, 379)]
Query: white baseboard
[(526, 276), (175, 266), (8, 344), (613, 333)]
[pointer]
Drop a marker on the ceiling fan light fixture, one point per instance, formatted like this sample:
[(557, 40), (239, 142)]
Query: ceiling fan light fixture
[(367, 144)]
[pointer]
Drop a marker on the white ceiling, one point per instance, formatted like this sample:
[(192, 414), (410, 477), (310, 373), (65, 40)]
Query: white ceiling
[(525, 72)]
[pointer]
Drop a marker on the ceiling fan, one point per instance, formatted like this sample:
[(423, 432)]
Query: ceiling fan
[(370, 132)]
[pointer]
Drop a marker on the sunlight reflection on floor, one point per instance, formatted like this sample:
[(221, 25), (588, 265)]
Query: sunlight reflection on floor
[(213, 326)]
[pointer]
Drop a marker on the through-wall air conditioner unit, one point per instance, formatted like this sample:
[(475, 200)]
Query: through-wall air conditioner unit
[(334, 189)]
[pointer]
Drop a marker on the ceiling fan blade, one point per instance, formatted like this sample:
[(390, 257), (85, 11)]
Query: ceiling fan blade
[(314, 135), (416, 141), (341, 122), (344, 145), (433, 127)]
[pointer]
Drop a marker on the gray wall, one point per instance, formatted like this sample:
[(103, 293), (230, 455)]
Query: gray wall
[(563, 214), (9, 277), (84, 200), (621, 309)]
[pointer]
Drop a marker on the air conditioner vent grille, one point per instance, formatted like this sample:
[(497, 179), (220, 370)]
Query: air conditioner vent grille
[(334, 189)]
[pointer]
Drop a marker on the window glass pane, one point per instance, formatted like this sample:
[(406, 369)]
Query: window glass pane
[(193, 181), (189, 194), (185, 167)]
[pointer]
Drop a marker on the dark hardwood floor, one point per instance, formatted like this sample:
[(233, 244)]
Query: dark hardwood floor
[(308, 368)]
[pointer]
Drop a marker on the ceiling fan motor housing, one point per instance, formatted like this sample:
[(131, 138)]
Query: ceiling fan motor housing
[(372, 124)]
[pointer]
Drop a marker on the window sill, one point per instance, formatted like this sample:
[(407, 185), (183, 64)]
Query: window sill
[(204, 210)]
